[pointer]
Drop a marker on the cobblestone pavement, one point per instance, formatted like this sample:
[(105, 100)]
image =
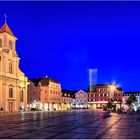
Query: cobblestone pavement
[(76, 124)]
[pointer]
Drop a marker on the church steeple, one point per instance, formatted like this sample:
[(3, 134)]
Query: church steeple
[(5, 28)]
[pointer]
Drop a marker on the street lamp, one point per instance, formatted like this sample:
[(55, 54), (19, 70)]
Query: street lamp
[(112, 89)]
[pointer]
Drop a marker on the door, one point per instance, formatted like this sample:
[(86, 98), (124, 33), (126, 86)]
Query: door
[(10, 106)]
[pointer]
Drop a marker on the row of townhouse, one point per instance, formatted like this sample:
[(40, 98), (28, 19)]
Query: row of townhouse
[(101, 94), (47, 94), (44, 94), (135, 93)]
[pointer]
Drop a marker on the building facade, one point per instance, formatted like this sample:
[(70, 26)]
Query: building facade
[(136, 94), (68, 99), (44, 94), (13, 82), (101, 94), (81, 99)]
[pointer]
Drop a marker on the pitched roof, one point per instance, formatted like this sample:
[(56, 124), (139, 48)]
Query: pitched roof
[(53, 80), (44, 81), (35, 81), (133, 92), (5, 28), (68, 92), (94, 87)]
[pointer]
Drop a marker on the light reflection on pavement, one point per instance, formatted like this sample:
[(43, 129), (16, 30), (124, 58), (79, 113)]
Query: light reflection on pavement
[(76, 124)]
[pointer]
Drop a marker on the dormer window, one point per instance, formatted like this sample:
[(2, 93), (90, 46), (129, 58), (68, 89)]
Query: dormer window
[(10, 44), (0, 43)]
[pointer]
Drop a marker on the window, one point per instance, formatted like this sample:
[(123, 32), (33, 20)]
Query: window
[(0, 43), (10, 92), (10, 44), (21, 95), (10, 67)]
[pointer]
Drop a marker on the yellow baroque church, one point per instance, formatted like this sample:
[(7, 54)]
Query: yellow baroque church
[(13, 82)]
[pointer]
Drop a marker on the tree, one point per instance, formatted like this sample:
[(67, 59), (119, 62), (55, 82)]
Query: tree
[(131, 100), (109, 104), (119, 101)]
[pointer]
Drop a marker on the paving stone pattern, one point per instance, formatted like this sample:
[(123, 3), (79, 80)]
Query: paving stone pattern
[(75, 124)]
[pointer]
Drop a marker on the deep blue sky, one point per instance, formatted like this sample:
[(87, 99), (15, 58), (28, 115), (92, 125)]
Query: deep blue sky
[(64, 39)]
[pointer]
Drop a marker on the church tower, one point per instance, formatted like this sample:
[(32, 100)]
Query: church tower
[(13, 82)]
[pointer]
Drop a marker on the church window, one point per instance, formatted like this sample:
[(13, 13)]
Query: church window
[(21, 95), (10, 92), (0, 43), (10, 67), (10, 44)]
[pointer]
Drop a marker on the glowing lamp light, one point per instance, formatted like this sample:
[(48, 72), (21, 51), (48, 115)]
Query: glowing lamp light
[(112, 88)]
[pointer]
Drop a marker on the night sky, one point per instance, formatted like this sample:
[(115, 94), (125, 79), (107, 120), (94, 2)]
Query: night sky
[(64, 39)]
